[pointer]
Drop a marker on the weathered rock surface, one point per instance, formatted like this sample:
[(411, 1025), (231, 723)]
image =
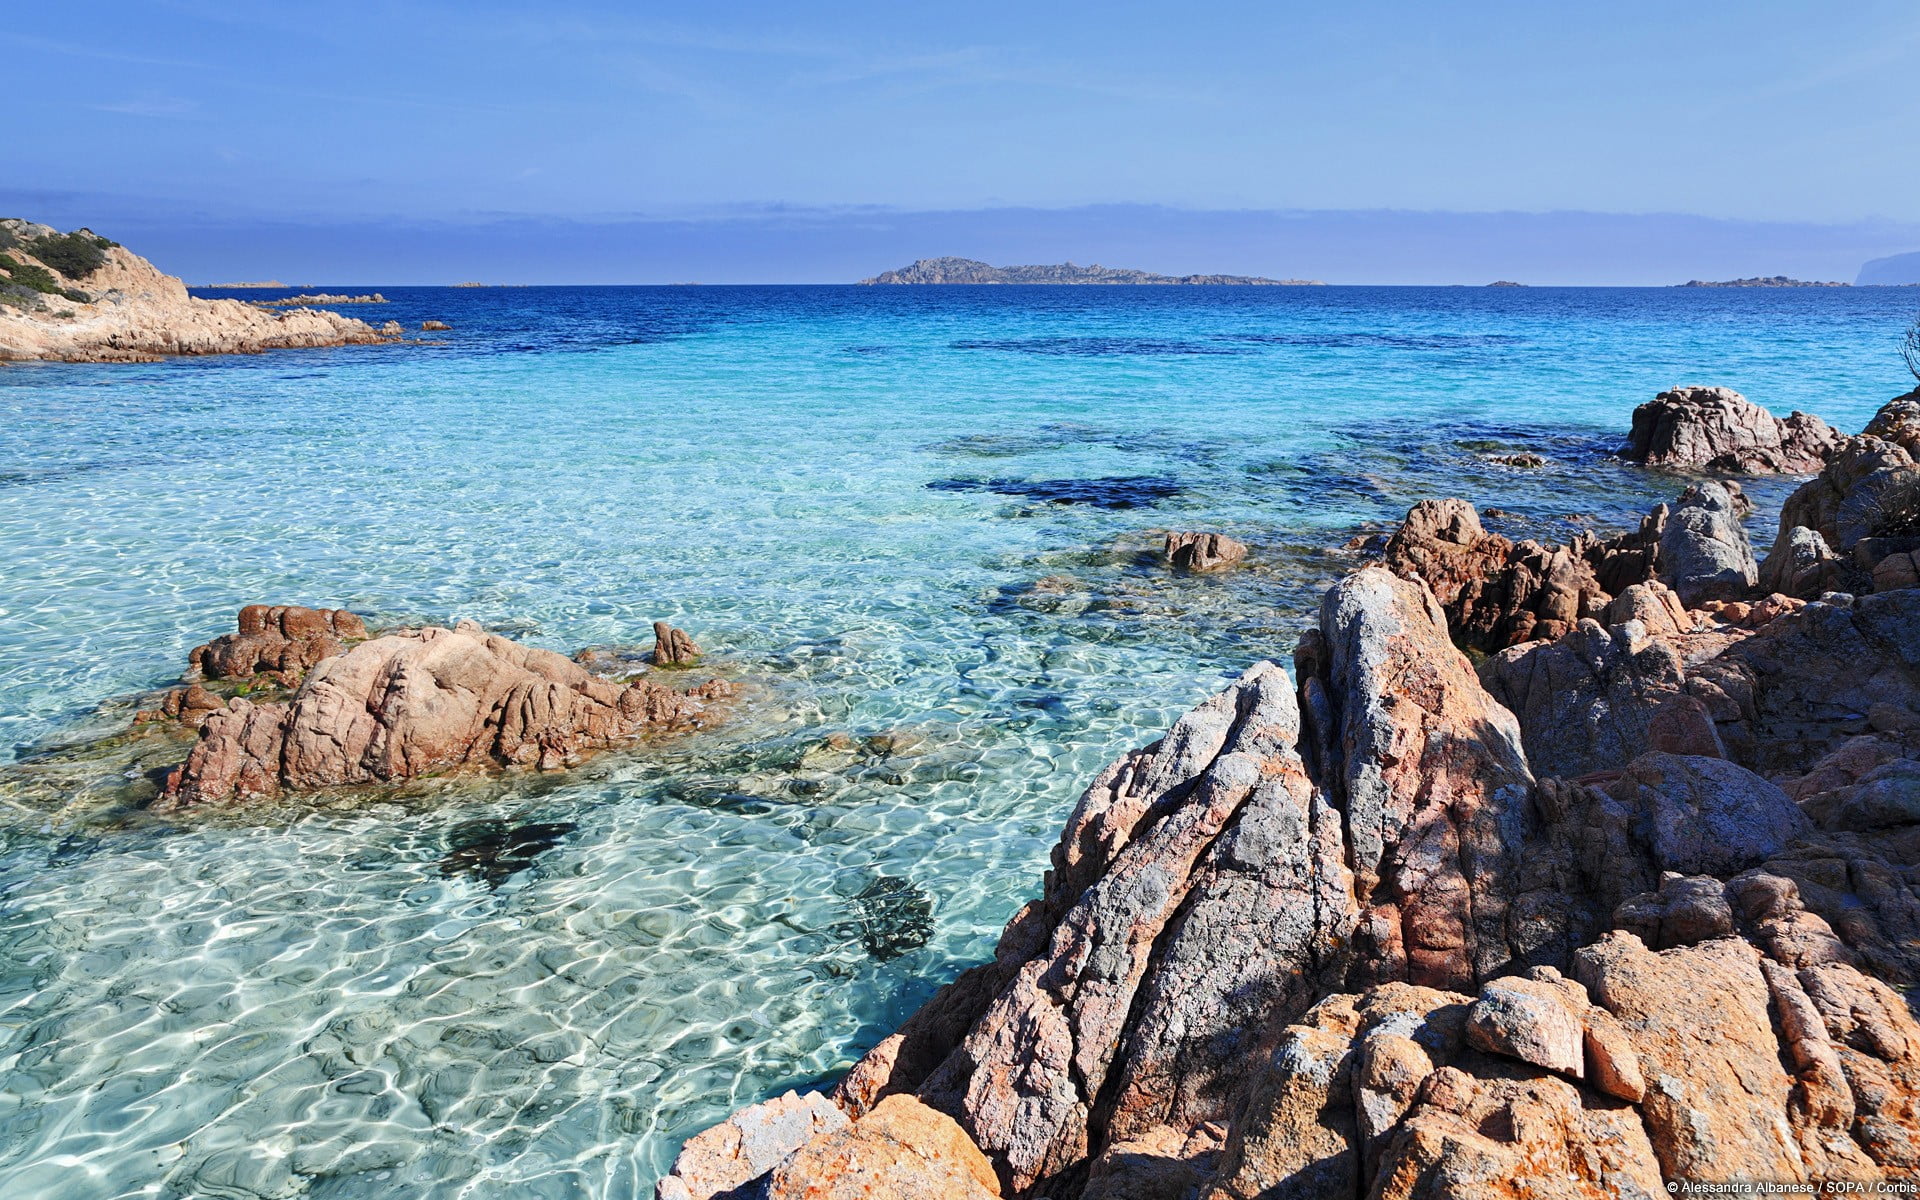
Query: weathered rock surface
[(1716, 429), (1866, 490), (901, 1148), (415, 702), (748, 1144), (134, 313), (1898, 421), (1496, 593), (1199, 552)]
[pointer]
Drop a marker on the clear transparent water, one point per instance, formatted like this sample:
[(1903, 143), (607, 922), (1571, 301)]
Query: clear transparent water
[(306, 1001)]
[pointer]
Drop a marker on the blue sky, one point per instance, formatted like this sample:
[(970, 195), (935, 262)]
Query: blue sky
[(272, 136)]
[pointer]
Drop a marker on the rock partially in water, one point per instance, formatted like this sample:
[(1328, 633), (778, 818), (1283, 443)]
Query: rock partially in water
[(1717, 429), (421, 701), (1112, 491), (494, 850), (672, 647), (1199, 552)]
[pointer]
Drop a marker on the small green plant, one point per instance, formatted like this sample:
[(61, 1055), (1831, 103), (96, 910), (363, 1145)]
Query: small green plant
[(1910, 348)]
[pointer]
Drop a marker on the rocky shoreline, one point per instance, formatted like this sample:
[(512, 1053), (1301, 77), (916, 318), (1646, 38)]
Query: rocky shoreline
[(116, 306), (1567, 871)]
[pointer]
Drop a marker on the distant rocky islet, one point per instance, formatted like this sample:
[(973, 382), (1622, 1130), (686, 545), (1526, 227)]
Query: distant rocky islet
[(972, 271)]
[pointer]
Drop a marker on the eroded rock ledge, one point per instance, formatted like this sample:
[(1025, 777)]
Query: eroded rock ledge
[(1361, 930), (411, 702)]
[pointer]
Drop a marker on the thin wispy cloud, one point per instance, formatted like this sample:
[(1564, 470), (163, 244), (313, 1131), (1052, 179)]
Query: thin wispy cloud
[(154, 104), (44, 45)]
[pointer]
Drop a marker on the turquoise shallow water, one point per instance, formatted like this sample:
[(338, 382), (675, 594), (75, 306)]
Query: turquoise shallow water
[(835, 490)]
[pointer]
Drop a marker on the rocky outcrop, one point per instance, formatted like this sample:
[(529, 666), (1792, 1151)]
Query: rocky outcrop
[(749, 1144), (1716, 429), (1497, 593), (125, 310), (1619, 909), (901, 1148), (411, 703), (1199, 552)]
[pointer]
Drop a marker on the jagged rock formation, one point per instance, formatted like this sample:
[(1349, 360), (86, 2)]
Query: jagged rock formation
[(969, 270), (400, 705), (1497, 593), (125, 310), (1362, 932), (1716, 429), (1200, 552)]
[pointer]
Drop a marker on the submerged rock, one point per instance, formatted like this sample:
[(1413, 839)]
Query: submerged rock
[(421, 701), (892, 917), (1717, 429), (494, 850)]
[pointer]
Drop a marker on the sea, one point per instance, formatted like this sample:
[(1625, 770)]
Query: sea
[(919, 526)]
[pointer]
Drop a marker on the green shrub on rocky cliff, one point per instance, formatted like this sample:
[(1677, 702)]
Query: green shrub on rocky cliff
[(27, 275), (75, 255)]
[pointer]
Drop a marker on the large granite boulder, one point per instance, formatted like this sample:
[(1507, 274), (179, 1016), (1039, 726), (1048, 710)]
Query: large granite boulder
[(420, 701), (1716, 429), (1704, 552)]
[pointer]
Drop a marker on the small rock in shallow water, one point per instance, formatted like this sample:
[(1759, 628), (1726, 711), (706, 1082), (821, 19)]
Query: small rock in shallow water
[(892, 917), (1203, 551), (672, 647)]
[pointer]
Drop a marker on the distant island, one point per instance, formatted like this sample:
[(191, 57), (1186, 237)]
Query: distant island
[(1760, 281), (257, 283), (968, 270), (1505, 283)]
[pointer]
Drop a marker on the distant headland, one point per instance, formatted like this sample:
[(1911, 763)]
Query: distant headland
[(968, 270), (1761, 281)]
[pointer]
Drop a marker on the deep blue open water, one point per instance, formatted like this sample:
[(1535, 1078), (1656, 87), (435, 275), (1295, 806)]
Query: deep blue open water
[(917, 523)]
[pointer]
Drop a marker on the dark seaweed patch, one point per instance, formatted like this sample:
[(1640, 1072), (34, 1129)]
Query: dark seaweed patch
[(1098, 347), (1112, 491), (493, 850)]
